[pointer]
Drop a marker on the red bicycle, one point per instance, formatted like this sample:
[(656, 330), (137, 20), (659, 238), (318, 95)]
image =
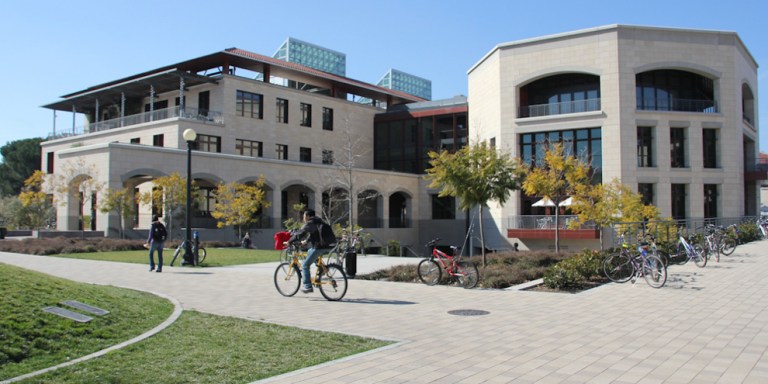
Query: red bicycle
[(430, 272)]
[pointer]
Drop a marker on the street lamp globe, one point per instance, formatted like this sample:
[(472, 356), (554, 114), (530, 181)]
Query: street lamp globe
[(189, 134)]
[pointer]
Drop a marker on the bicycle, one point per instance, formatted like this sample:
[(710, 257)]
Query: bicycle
[(717, 242), (625, 265), (688, 252), (330, 278), (201, 253), (430, 272)]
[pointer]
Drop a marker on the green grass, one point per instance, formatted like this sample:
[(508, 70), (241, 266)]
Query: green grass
[(197, 348), (31, 339), (217, 257)]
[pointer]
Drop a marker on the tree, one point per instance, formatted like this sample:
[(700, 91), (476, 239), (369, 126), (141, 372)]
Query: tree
[(170, 193), (556, 179), (238, 203), (476, 174), (37, 205), (121, 201), (21, 158), (608, 204)]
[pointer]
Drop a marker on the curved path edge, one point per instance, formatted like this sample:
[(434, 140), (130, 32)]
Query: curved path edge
[(177, 310)]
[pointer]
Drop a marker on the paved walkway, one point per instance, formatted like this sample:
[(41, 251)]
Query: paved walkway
[(705, 326)]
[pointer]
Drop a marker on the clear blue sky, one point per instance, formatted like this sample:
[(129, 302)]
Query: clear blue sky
[(52, 48)]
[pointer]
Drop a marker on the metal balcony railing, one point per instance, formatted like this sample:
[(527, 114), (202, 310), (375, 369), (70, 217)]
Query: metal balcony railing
[(195, 114), (543, 222), (677, 105), (566, 107)]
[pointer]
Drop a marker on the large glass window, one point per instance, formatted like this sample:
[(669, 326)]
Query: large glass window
[(248, 148), (282, 111), (645, 147), (306, 115), (678, 201), (282, 151), (586, 144), (674, 90), (443, 208), (646, 192), (710, 148), (208, 143), (305, 154), (327, 119), (710, 200), (249, 105), (677, 147)]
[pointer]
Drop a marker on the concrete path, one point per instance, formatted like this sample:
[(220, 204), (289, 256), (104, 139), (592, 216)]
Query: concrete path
[(706, 325)]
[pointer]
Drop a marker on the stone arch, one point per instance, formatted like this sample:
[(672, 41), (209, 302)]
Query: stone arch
[(747, 103), (370, 205), (292, 194), (400, 206)]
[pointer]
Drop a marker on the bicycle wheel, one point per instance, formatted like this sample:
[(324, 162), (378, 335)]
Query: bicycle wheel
[(727, 246), (333, 282), (700, 256), (618, 267), (429, 272), (663, 256), (682, 254), (287, 279), (176, 254), (654, 271), (467, 274), (201, 255)]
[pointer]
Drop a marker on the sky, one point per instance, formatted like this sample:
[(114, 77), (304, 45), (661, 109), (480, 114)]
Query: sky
[(53, 48)]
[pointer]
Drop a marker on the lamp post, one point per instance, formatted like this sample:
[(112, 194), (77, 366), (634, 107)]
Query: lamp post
[(189, 136)]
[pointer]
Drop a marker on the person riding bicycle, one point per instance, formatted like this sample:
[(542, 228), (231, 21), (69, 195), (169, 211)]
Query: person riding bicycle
[(312, 228)]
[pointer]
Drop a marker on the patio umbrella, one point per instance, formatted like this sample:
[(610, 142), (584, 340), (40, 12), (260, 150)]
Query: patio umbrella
[(566, 202), (545, 202)]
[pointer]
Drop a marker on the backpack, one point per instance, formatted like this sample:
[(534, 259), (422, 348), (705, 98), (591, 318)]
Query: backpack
[(327, 238), (160, 233)]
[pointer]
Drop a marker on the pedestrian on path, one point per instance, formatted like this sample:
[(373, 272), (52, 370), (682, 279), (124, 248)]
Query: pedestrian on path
[(155, 241)]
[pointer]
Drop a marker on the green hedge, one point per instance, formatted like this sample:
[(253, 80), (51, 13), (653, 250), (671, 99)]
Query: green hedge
[(575, 272)]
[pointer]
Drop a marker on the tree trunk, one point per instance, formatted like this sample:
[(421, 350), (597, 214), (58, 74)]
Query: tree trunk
[(482, 236)]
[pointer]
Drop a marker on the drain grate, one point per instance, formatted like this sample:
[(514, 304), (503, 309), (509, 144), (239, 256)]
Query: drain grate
[(468, 312)]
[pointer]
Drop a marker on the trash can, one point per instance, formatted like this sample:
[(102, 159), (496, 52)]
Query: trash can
[(350, 264), (3, 231)]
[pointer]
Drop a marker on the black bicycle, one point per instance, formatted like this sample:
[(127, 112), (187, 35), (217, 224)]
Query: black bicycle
[(201, 253)]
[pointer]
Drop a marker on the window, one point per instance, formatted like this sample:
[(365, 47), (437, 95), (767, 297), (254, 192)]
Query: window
[(305, 154), (282, 152), (443, 208), (248, 148), (674, 90), (583, 143), (677, 147), (250, 105), (49, 163), (646, 192), (678, 201), (306, 115), (158, 140), (327, 156), (136, 140), (282, 111), (710, 200), (493, 142), (710, 148), (207, 143), (327, 119), (645, 147)]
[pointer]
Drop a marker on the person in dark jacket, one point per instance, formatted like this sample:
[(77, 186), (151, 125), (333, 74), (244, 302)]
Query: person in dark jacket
[(154, 245), (309, 233)]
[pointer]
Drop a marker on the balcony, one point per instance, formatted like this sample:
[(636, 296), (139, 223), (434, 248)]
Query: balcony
[(677, 105), (754, 172), (206, 116), (543, 227), (563, 108)]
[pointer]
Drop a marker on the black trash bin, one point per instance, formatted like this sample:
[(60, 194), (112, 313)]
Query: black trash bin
[(3, 232), (350, 264)]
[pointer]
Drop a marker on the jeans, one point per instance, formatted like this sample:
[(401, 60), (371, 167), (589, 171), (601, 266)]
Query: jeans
[(156, 246), (312, 255)]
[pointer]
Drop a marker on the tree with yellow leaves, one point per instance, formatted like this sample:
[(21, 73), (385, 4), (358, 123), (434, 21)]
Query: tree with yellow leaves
[(121, 201), (556, 179), (38, 206), (238, 203), (170, 192)]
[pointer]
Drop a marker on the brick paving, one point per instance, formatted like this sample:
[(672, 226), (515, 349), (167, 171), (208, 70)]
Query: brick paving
[(706, 325)]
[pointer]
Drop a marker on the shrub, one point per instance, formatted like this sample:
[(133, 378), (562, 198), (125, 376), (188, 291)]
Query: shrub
[(575, 272)]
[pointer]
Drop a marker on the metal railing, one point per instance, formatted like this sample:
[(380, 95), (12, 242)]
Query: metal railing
[(576, 106), (544, 222), (203, 115), (677, 105)]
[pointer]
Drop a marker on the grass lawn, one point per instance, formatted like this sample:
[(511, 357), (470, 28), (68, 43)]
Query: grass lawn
[(198, 347), (216, 257)]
